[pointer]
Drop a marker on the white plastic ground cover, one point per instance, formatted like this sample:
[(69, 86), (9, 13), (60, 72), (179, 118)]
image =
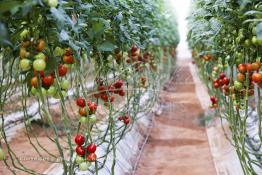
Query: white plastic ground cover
[(15, 121), (126, 150)]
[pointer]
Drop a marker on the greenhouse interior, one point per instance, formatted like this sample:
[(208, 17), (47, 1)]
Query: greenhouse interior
[(130, 87)]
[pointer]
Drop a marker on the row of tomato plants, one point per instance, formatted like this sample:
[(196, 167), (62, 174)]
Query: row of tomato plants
[(226, 42), (50, 48)]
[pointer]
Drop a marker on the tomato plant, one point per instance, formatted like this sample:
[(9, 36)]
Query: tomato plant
[(99, 54), (230, 31)]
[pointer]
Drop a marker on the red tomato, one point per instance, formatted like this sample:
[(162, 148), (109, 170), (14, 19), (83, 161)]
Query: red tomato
[(126, 121), (91, 157), (134, 48), (80, 151), (220, 82), (79, 140), (118, 84), (242, 68), (69, 59), (226, 81), (257, 77), (48, 80), (80, 102), (216, 85), (122, 93), (105, 97), (92, 107), (101, 89), (91, 148), (222, 76), (62, 70), (213, 99)]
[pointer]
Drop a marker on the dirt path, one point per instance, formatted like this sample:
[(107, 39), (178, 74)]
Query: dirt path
[(178, 143)]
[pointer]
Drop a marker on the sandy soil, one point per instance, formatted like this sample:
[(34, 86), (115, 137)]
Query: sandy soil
[(178, 144)]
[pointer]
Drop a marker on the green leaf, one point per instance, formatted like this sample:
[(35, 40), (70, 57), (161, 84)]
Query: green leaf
[(98, 26), (8, 5), (106, 46)]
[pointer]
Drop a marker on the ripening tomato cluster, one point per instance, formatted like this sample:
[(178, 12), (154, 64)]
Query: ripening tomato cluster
[(249, 71), (106, 92), (39, 59), (86, 111), (223, 83), (214, 101), (85, 152), (207, 57), (135, 57), (252, 70), (43, 76), (125, 119)]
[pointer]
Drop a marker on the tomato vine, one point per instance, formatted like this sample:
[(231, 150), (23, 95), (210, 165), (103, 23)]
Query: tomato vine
[(226, 41), (98, 59)]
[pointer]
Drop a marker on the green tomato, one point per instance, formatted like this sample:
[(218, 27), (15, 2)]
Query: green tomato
[(52, 3), (92, 118), (2, 155), (58, 52), (39, 65), (24, 34), (84, 166), (34, 91), (65, 84), (51, 91), (83, 120), (79, 159), (239, 55), (25, 64), (238, 85), (254, 40), (247, 43), (40, 56)]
